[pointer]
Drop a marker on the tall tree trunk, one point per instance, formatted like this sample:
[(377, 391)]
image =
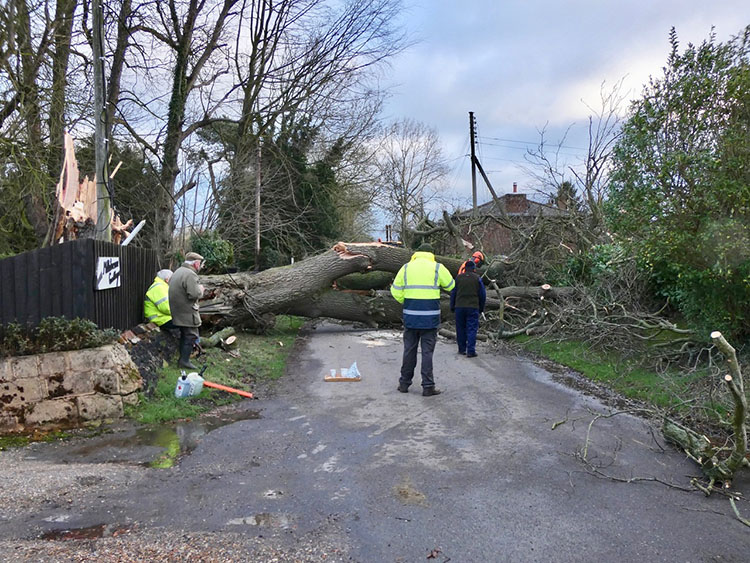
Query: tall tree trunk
[(62, 39), (124, 32), (32, 175), (190, 60), (169, 169), (103, 196)]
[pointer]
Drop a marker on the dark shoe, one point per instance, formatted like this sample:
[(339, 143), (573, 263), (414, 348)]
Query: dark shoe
[(430, 391), (462, 352), (187, 364), (403, 389), (472, 355)]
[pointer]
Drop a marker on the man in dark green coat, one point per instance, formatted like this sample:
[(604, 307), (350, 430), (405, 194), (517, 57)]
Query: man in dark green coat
[(184, 293), (467, 302)]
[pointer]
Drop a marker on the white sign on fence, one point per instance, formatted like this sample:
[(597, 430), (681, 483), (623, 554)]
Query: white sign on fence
[(107, 273)]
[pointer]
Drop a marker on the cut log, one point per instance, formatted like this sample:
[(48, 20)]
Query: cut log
[(218, 338), (452, 335)]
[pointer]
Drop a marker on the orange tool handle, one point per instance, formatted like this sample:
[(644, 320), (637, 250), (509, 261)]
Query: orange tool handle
[(225, 388)]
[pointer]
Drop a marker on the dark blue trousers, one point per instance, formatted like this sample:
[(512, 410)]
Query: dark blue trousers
[(412, 338), (467, 325)]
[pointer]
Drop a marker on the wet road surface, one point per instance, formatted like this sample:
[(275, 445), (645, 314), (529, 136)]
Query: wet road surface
[(370, 474)]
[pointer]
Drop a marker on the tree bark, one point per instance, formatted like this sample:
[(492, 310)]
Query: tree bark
[(218, 338), (367, 281), (305, 289), (62, 39), (699, 447)]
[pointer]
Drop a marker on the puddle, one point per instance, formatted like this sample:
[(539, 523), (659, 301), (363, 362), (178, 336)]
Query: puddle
[(407, 494), (264, 519), (89, 533), (136, 446)]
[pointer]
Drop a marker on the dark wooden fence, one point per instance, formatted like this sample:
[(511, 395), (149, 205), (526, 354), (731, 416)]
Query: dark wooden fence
[(60, 281)]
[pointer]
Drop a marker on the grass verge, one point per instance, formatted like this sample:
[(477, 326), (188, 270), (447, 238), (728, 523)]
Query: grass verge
[(665, 390), (261, 357), (21, 440)]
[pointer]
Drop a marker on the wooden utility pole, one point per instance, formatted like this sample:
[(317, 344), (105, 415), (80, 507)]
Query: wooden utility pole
[(103, 230), (473, 165)]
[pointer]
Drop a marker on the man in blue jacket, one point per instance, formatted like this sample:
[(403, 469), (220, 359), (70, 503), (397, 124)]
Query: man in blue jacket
[(467, 301), (417, 286)]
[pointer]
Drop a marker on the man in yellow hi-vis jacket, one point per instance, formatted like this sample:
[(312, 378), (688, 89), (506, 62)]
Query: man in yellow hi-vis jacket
[(156, 304), (417, 286)]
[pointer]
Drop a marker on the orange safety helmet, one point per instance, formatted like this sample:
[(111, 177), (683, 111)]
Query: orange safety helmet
[(477, 258)]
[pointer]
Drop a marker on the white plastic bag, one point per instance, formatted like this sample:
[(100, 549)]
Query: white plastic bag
[(353, 371)]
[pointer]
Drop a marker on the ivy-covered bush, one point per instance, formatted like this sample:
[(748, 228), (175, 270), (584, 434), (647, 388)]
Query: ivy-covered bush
[(218, 254), (594, 266), (54, 334)]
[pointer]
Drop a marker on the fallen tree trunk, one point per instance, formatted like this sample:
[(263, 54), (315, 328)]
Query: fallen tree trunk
[(248, 299), (243, 298), (373, 308), (363, 282)]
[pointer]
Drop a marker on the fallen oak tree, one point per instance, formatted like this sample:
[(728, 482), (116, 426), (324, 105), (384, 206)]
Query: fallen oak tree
[(247, 299), (242, 299)]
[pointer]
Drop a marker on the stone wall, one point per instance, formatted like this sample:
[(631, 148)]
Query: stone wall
[(65, 389)]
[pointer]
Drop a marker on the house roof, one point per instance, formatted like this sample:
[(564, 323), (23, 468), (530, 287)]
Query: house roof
[(516, 205)]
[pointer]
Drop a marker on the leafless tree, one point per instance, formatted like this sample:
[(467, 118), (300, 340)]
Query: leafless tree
[(188, 36), (177, 67), (308, 61), (591, 176), (411, 172), (35, 46)]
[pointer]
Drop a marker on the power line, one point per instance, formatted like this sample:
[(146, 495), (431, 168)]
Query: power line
[(516, 161), (533, 143), (525, 148)]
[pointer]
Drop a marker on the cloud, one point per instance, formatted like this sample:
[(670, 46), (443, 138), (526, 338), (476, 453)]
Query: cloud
[(520, 65)]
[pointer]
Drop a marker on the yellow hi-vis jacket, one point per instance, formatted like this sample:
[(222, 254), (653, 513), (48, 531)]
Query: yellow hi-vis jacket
[(417, 285), (156, 304)]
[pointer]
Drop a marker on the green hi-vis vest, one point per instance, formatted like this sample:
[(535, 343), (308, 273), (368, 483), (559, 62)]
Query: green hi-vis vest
[(156, 304), (417, 285)]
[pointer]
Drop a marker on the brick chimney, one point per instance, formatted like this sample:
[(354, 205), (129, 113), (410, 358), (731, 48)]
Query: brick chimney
[(515, 202)]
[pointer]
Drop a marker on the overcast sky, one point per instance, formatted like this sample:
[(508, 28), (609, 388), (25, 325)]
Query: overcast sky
[(521, 64)]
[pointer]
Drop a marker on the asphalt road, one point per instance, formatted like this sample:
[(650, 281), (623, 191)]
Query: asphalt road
[(358, 471)]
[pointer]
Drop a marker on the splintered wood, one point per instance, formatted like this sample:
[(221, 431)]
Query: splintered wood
[(76, 205)]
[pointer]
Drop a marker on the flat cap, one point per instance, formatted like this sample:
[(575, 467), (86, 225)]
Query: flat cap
[(190, 256)]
